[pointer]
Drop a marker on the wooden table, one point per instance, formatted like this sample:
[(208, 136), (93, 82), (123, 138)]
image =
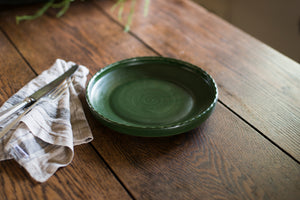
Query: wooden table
[(248, 149)]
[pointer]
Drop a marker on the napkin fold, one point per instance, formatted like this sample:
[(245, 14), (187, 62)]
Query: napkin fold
[(44, 139)]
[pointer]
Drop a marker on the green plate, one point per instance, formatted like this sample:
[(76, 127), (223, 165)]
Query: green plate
[(151, 96)]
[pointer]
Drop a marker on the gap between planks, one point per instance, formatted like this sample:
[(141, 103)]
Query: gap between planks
[(219, 101), (18, 51)]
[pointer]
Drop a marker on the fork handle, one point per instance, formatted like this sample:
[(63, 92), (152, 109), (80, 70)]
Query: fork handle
[(15, 121), (6, 113)]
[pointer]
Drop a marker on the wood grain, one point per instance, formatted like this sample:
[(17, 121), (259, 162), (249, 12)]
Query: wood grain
[(93, 40), (14, 73), (87, 177), (223, 159), (258, 83)]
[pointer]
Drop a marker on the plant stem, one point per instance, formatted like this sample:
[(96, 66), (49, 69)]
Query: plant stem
[(146, 7), (39, 13), (129, 20), (66, 5)]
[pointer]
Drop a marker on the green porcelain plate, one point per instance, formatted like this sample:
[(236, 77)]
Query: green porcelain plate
[(151, 96)]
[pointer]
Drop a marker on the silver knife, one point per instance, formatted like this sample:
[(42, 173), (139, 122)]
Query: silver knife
[(38, 94)]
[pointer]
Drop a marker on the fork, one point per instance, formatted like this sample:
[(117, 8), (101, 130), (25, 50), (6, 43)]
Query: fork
[(55, 94)]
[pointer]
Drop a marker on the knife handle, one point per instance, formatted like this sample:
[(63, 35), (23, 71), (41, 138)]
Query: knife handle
[(6, 113), (15, 122)]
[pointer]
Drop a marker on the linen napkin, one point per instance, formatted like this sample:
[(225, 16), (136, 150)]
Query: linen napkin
[(44, 139)]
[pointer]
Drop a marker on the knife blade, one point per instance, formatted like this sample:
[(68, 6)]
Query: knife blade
[(38, 94)]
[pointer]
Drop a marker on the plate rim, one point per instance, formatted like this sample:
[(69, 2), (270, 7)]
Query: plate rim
[(151, 59)]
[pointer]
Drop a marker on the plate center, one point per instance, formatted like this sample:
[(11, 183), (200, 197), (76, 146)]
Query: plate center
[(151, 102)]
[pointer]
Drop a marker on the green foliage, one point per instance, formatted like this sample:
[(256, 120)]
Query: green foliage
[(64, 5), (120, 4)]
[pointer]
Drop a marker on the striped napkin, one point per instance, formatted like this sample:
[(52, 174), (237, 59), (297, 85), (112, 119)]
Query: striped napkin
[(44, 139)]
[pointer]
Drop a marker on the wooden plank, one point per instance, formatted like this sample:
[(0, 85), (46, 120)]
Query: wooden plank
[(86, 177), (220, 160), (258, 83), (14, 73), (93, 40), (223, 159)]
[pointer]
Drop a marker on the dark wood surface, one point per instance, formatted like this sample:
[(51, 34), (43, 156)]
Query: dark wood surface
[(255, 81), (247, 149)]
